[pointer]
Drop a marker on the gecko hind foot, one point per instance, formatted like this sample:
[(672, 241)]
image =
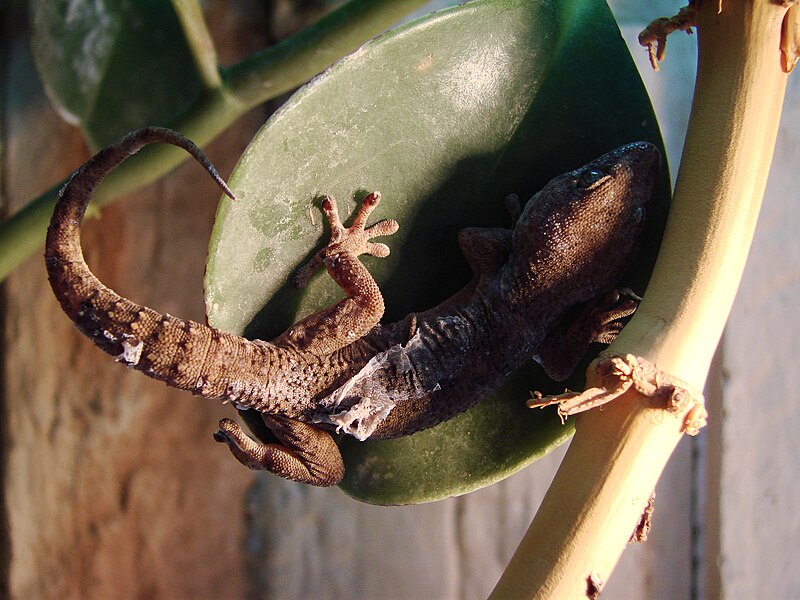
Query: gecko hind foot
[(306, 453), (354, 239)]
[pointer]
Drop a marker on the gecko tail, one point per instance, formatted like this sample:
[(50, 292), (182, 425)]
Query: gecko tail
[(162, 134), (74, 197), (184, 354)]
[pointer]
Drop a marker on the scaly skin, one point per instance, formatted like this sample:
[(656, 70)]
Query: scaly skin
[(340, 368)]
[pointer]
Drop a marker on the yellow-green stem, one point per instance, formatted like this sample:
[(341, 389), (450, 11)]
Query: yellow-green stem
[(726, 158), (618, 453), (199, 39)]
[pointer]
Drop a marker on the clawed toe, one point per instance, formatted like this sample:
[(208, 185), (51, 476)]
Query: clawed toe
[(242, 446), (609, 313), (381, 228), (379, 250), (227, 431), (368, 204), (608, 332)]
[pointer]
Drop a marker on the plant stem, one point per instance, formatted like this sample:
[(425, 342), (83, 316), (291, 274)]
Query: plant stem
[(199, 39), (618, 453), (724, 167), (255, 80)]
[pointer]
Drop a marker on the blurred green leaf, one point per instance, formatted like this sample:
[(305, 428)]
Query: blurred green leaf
[(113, 65), (445, 117)]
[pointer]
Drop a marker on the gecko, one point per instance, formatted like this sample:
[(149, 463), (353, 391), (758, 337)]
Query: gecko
[(341, 369)]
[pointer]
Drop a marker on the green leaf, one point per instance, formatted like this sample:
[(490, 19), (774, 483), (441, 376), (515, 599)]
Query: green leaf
[(445, 117), (113, 65)]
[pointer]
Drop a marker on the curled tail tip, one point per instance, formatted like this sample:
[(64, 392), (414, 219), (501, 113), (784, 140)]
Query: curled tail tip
[(206, 164), (178, 139), (226, 189)]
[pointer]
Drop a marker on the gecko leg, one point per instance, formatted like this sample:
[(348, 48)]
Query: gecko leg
[(486, 248), (348, 320), (599, 321), (306, 453)]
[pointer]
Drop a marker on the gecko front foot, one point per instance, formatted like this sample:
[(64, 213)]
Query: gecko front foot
[(604, 315), (600, 320), (354, 240)]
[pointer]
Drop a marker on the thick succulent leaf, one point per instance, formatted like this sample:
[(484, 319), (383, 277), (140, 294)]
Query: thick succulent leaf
[(445, 117), (112, 65)]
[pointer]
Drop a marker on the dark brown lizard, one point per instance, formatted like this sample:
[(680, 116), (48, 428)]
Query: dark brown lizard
[(342, 369)]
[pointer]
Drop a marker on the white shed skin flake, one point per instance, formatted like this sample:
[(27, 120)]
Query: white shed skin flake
[(131, 351)]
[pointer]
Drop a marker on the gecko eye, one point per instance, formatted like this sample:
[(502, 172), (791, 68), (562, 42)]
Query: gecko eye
[(590, 178)]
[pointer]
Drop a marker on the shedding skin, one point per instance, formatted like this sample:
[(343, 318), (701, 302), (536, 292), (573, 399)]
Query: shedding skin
[(341, 368)]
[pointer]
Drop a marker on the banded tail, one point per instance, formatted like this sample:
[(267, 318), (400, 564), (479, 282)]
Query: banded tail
[(184, 354)]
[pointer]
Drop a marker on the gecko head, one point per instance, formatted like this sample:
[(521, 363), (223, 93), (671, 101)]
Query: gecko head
[(582, 229)]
